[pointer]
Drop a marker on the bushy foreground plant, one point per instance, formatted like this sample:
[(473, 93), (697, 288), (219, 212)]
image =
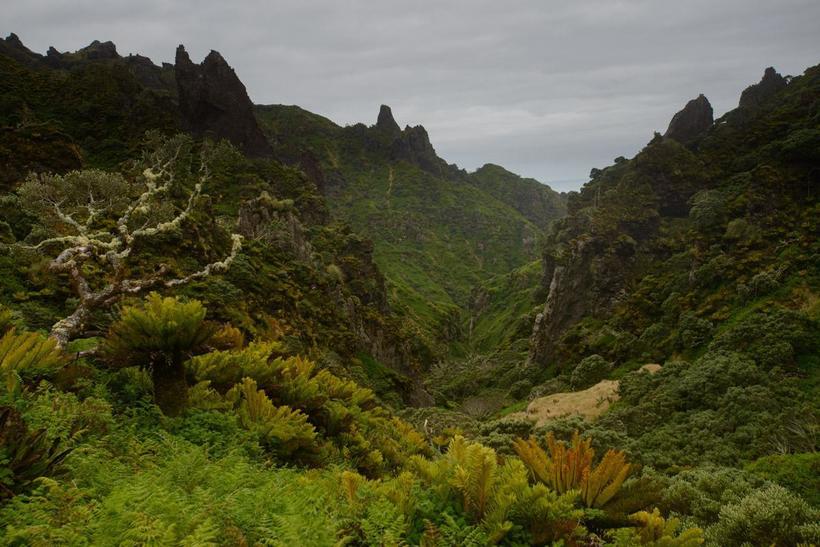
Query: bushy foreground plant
[(653, 529), (160, 335), (24, 455), (768, 516), (357, 429), (172, 492), (570, 468), (465, 497)]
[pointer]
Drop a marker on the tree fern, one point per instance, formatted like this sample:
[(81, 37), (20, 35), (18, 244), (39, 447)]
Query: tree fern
[(160, 334), (568, 468), (474, 477)]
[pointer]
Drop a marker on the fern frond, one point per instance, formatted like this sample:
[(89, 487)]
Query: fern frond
[(27, 354)]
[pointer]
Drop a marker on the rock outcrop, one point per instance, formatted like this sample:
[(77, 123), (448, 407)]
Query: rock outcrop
[(411, 144), (274, 222), (691, 122), (214, 102), (97, 50), (414, 146), (13, 47), (756, 94), (152, 76), (385, 123)]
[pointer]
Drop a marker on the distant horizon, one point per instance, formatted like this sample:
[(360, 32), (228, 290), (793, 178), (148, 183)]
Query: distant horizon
[(490, 84)]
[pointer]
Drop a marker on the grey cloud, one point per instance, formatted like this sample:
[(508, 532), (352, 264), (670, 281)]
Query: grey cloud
[(546, 88)]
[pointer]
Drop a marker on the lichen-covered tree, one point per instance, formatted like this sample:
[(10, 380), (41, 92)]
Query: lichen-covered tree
[(92, 223)]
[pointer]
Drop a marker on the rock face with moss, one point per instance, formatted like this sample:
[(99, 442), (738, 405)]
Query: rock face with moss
[(303, 272), (213, 101), (438, 232), (651, 244)]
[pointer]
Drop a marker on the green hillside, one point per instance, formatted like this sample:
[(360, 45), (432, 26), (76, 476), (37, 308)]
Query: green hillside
[(228, 324), (438, 232)]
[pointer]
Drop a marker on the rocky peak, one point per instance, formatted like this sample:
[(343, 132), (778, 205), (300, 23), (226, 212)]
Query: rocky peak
[(756, 94), (414, 146), (385, 122), (13, 47), (12, 40), (688, 124), (100, 50), (214, 102)]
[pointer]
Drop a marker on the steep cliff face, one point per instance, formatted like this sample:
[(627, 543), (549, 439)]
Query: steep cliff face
[(655, 234), (214, 102), (609, 238), (437, 232)]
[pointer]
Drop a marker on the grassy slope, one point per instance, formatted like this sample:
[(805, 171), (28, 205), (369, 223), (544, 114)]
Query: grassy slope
[(536, 201), (436, 238)]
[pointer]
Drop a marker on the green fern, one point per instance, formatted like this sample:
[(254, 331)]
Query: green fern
[(656, 531), (283, 430), (24, 455), (26, 355), (6, 319)]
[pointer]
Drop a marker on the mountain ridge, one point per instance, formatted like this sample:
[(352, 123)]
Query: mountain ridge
[(347, 330)]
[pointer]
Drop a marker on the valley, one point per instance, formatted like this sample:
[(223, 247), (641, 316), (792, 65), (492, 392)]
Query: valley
[(241, 324)]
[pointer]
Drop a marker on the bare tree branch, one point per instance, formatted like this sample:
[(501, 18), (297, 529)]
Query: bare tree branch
[(111, 248)]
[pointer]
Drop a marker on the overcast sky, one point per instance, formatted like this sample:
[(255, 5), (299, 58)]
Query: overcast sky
[(549, 89)]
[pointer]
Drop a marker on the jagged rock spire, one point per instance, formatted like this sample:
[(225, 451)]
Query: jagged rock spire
[(386, 122), (695, 118), (214, 101)]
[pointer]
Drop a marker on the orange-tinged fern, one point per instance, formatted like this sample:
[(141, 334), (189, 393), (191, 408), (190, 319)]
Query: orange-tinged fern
[(568, 468)]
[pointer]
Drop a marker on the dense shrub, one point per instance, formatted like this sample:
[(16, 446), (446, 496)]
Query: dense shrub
[(800, 473), (768, 516), (589, 371), (693, 331)]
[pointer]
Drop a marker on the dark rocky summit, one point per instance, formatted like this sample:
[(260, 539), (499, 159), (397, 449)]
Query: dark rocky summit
[(691, 122), (756, 94), (97, 50), (213, 101), (13, 47), (411, 145)]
